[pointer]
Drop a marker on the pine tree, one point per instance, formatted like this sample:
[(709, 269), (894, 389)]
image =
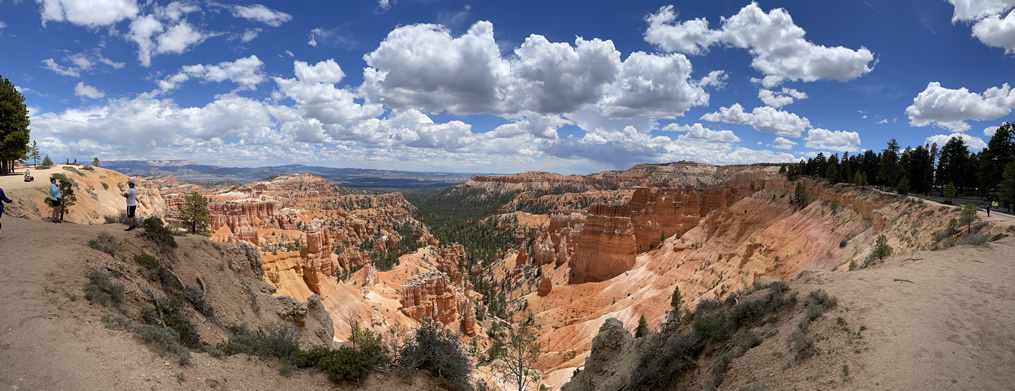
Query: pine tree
[(46, 162), (34, 154), (950, 192), (968, 216), (642, 329), (800, 195), (195, 211), (1006, 189), (14, 122), (676, 301), (68, 198)]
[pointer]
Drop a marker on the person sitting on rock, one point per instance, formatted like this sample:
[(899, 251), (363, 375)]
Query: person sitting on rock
[(3, 198), (28, 178)]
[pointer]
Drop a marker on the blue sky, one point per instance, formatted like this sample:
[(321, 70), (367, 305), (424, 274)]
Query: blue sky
[(505, 86)]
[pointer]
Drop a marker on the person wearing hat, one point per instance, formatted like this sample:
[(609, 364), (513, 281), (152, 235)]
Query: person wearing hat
[(131, 196)]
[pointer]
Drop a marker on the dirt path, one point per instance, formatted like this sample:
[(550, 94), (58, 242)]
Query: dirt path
[(16, 181), (51, 338), (932, 321)]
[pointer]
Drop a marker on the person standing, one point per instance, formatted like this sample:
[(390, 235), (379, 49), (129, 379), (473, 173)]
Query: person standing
[(55, 198), (3, 198), (131, 196)]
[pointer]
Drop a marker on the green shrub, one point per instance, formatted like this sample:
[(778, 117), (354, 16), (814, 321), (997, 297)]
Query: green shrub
[(975, 239), (310, 358), (346, 364), (368, 342), (156, 231), (105, 243), (437, 350), (881, 248), (176, 317), (279, 340), (803, 344), (147, 261), (162, 340), (998, 237), (713, 327), (102, 290)]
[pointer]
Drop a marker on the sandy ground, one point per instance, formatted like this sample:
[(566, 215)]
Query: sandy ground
[(11, 182), (932, 320), (51, 338)]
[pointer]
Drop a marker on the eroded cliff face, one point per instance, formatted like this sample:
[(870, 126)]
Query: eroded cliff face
[(310, 233)]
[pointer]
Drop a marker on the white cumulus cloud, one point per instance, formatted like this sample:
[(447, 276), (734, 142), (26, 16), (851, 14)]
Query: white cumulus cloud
[(701, 133), (778, 47), (424, 66), (974, 143), (783, 143), (87, 91), (246, 72), (838, 140), (762, 118), (993, 21), (781, 98), (950, 108), (90, 13), (179, 38)]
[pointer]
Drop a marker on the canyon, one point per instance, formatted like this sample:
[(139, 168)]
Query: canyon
[(573, 251)]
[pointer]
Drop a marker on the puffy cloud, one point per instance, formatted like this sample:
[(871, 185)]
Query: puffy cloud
[(778, 99), (783, 143), (424, 66), (654, 85), (559, 78), (144, 121), (90, 13), (993, 21), (974, 143), (840, 140), (141, 32), (244, 71), (997, 32), (541, 126), (87, 91), (950, 108), (777, 44), (700, 133), (989, 131), (326, 71), (314, 92), (260, 13), (178, 38), (690, 36), (763, 118), (970, 10)]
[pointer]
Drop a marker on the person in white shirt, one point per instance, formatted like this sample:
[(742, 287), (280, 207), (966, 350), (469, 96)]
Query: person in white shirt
[(131, 196), (54, 199)]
